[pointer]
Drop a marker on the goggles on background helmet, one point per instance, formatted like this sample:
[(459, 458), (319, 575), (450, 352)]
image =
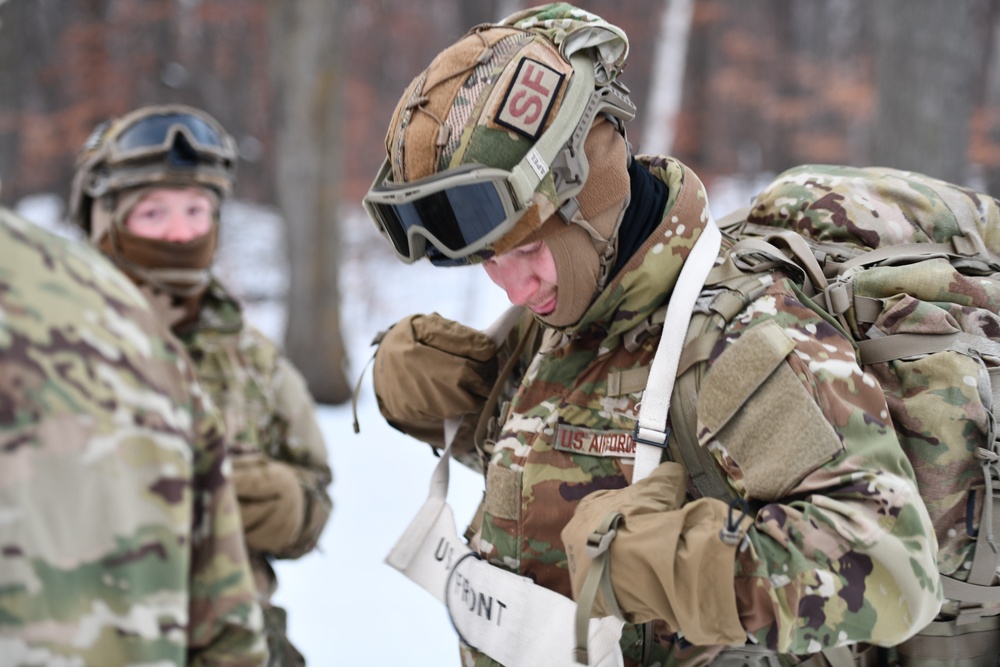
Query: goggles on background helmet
[(452, 215), (155, 134)]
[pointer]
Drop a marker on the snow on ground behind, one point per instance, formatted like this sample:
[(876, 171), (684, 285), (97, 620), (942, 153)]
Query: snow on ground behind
[(346, 607)]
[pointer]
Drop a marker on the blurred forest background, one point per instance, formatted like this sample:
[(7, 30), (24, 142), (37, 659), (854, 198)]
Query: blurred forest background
[(734, 89)]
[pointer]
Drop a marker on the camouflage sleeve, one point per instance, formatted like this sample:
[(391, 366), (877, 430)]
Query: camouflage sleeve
[(842, 548), (304, 444), (280, 468), (226, 625), (306, 451), (120, 542)]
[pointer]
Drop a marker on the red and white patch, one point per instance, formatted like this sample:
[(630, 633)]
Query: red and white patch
[(576, 440), (529, 98)]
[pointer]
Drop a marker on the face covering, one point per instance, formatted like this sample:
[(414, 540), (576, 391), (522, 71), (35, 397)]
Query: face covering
[(584, 253), (173, 275), (643, 215)]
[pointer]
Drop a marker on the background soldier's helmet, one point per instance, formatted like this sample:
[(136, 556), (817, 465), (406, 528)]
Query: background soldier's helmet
[(168, 145)]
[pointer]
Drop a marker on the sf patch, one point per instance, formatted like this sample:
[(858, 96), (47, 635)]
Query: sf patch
[(529, 98), (591, 442)]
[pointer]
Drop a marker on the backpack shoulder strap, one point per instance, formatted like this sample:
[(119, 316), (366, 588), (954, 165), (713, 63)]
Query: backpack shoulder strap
[(650, 434)]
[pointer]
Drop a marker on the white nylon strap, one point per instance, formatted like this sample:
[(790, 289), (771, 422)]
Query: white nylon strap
[(506, 616), (405, 549), (651, 428)]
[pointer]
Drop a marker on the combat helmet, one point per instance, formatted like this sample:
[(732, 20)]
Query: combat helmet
[(170, 145), (486, 144)]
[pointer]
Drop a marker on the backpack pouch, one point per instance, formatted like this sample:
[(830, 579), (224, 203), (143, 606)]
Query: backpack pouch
[(736, 412)]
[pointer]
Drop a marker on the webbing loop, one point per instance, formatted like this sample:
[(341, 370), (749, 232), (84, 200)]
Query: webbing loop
[(598, 578)]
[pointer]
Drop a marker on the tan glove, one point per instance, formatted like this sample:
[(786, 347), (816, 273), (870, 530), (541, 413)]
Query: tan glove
[(272, 502), (429, 369), (318, 507), (665, 563)]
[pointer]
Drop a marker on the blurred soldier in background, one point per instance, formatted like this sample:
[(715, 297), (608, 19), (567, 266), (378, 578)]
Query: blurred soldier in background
[(147, 191), (120, 540)]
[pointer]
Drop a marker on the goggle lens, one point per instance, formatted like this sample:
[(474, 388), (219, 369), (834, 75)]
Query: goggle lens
[(155, 130), (456, 217)]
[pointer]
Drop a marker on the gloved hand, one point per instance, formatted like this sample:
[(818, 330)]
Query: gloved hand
[(272, 503), (429, 369), (666, 561)]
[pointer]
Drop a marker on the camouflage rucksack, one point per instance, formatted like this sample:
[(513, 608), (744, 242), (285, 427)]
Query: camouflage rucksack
[(909, 266)]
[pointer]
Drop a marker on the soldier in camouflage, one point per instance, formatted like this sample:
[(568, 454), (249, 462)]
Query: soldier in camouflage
[(120, 539), (838, 548), (147, 190)]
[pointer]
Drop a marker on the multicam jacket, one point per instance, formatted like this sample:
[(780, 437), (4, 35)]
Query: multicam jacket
[(120, 539), (268, 413), (842, 549)]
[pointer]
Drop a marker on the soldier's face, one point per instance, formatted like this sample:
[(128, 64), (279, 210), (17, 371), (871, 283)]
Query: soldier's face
[(528, 275), (168, 214)]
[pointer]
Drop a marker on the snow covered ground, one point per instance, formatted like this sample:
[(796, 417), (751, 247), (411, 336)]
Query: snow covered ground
[(346, 607)]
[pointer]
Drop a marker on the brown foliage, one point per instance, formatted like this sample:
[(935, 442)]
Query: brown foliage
[(792, 81)]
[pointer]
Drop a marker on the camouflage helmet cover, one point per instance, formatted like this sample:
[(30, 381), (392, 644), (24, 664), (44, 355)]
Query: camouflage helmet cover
[(187, 147), (490, 97)]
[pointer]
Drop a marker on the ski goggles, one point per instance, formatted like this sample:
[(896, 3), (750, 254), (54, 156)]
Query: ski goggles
[(155, 134), (447, 216)]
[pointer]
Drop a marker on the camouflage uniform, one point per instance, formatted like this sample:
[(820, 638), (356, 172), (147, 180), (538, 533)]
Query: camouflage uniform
[(279, 458), (272, 430), (120, 538), (841, 549)]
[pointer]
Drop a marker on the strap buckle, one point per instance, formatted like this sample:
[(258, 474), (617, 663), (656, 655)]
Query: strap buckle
[(598, 543), (648, 434)]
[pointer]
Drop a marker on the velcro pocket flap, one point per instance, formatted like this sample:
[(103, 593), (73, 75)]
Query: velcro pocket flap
[(737, 374), (757, 408)]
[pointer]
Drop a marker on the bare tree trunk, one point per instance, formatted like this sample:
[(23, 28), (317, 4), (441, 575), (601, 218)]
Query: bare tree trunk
[(926, 65), (308, 35), (667, 79)]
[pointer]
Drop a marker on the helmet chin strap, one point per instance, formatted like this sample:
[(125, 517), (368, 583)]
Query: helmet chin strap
[(576, 160), (584, 262)]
